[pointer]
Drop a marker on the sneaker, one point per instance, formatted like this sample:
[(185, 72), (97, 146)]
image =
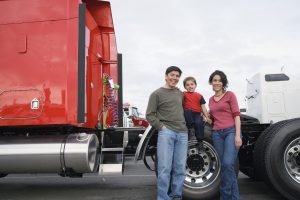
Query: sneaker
[(191, 133)]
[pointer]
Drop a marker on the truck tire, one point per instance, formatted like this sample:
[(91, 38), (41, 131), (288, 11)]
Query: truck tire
[(2, 175), (202, 174), (282, 159), (203, 171), (259, 151)]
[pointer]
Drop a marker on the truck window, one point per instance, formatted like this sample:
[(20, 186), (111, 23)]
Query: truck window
[(126, 111), (276, 77), (135, 112)]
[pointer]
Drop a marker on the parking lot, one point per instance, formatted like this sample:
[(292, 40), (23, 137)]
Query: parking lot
[(137, 183)]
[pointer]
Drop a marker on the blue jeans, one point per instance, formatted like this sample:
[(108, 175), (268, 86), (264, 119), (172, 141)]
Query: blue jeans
[(171, 154), (224, 143), (195, 120)]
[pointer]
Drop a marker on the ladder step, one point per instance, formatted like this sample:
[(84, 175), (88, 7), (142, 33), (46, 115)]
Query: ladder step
[(112, 149), (110, 169)]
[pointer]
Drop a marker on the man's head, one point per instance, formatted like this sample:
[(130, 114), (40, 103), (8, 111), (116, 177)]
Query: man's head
[(173, 68), (173, 74)]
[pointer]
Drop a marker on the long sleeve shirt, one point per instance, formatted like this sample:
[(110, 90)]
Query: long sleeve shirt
[(224, 111), (165, 108)]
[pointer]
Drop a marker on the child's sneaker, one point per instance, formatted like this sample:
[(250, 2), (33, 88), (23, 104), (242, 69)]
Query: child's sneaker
[(191, 133)]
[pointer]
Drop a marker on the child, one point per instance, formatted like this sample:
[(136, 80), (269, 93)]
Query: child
[(194, 105)]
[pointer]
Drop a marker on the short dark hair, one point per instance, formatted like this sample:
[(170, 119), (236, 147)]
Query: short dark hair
[(223, 78), (173, 68), (189, 78)]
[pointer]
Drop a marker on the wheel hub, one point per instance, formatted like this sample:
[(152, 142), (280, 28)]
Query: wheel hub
[(292, 159), (203, 167), (297, 159), (195, 162)]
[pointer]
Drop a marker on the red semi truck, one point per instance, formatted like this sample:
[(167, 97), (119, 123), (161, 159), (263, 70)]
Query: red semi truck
[(60, 94)]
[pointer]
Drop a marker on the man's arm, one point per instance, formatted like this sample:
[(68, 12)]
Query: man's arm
[(151, 113)]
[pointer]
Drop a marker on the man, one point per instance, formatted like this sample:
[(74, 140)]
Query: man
[(165, 113)]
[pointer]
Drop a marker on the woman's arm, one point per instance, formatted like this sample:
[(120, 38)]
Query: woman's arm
[(238, 139), (205, 113)]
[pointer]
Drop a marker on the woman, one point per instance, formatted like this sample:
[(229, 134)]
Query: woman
[(226, 133)]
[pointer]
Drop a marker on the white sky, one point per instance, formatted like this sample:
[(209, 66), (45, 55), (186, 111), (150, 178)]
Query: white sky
[(240, 38)]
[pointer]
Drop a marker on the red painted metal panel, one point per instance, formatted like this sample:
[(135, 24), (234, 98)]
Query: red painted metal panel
[(38, 55), (101, 61), (101, 12), (21, 104), (25, 11), (39, 52)]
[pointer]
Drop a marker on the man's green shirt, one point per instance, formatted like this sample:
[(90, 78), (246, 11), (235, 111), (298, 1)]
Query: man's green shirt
[(165, 108)]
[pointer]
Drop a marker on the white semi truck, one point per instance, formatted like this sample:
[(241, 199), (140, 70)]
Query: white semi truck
[(271, 141)]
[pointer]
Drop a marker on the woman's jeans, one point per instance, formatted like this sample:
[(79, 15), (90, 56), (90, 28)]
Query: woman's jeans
[(224, 143), (171, 154)]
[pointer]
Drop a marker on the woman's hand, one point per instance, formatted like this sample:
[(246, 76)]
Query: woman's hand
[(207, 120), (238, 142)]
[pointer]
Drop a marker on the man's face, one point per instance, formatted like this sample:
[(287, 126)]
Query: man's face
[(172, 79)]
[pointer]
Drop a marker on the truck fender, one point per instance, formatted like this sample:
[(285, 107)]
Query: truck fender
[(142, 146)]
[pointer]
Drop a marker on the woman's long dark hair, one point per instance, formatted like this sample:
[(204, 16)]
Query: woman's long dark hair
[(223, 78)]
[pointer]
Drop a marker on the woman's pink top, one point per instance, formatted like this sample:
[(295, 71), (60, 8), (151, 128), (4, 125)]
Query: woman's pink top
[(224, 111)]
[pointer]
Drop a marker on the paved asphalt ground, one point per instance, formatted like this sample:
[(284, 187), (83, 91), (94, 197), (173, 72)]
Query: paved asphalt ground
[(137, 183)]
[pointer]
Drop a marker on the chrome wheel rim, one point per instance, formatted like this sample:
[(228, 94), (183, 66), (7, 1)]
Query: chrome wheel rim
[(203, 167), (292, 159)]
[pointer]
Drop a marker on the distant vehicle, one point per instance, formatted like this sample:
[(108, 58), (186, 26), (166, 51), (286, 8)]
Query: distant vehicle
[(271, 141), (132, 117)]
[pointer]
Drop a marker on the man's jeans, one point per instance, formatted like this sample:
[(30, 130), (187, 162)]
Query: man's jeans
[(224, 143), (171, 154)]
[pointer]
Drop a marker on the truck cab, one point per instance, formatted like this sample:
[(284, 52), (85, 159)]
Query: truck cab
[(272, 97)]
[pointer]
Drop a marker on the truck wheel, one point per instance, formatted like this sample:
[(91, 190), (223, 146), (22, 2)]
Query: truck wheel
[(259, 150), (282, 159), (202, 173), (2, 175)]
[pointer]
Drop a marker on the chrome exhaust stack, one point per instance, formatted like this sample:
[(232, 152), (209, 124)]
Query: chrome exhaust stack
[(76, 153)]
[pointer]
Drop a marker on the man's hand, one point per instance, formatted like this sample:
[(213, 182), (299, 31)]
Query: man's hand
[(162, 127)]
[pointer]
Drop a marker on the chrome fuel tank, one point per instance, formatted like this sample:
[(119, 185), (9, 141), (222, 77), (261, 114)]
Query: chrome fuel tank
[(49, 154)]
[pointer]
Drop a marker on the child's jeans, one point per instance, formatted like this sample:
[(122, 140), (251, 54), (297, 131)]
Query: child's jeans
[(195, 120)]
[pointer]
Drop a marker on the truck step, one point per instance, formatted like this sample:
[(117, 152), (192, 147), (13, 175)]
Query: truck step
[(111, 161), (112, 157), (111, 169), (114, 149)]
